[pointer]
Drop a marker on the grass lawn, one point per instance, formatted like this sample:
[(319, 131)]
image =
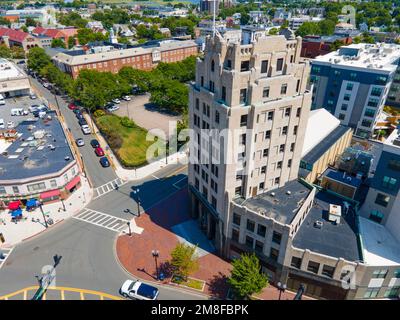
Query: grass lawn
[(191, 283), (133, 149)]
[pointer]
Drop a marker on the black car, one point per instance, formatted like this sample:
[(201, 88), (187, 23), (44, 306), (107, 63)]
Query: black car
[(77, 111), (104, 162), (94, 143), (82, 121)]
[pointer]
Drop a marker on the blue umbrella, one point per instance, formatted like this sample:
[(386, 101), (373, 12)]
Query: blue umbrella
[(31, 203), (16, 213)]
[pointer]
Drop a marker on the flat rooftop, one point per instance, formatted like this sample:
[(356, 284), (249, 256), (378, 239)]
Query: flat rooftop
[(342, 177), (339, 241), (281, 207), (380, 246), (378, 57), (29, 157), (10, 70)]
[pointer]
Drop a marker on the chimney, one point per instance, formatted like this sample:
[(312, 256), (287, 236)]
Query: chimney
[(6, 41)]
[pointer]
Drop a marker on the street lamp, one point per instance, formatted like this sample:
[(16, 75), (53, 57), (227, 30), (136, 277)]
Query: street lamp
[(156, 254), (136, 193), (129, 226), (281, 288), (44, 217), (63, 204)]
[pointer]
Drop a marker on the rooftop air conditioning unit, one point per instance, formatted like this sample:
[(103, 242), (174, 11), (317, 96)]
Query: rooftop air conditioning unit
[(335, 212), (318, 224), (272, 194), (288, 192)]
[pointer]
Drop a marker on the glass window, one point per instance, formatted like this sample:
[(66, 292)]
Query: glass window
[(266, 92), (261, 186), (393, 292), (270, 115), (15, 189), (346, 97), (313, 267), (268, 134), (276, 237), (376, 92), (296, 262), (349, 86), (344, 106), (389, 182), (371, 293), (265, 153), (250, 225), (328, 271), (369, 113), (261, 230), (279, 64), (274, 254), (243, 95), (342, 116), (235, 235), (382, 199), (394, 165), (243, 120), (379, 274), (245, 66), (287, 112), (376, 216), (284, 88), (2, 189), (249, 242), (259, 246), (264, 66)]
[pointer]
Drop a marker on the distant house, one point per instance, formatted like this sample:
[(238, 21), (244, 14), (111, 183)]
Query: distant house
[(63, 34), (165, 32), (363, 27), (11, 37)]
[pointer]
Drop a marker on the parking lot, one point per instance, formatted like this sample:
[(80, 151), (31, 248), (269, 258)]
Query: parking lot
[(23, 102)]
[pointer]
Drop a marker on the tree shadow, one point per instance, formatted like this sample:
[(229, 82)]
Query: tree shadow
[(218, 286), (166, 268), (152, 107)]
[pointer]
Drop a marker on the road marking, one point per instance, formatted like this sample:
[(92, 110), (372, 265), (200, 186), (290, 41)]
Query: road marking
[(108, 187), (155, 177), (107, 221), (6, 252), (63, 290), (176, 183), (176, 171)]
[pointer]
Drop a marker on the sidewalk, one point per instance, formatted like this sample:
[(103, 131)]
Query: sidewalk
[(14, 233), (139, 173)]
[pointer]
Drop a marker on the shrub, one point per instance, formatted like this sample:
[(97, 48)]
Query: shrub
[(99, 113), (114, 140), (128, 123)]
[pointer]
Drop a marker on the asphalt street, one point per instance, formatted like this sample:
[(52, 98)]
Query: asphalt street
[(97, 174)]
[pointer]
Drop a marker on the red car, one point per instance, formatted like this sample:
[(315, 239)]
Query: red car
[(71, 106), (99, 152)]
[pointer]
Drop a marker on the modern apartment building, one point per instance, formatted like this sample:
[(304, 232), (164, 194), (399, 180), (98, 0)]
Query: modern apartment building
[(112, 57), (258, 93), (353, 83)]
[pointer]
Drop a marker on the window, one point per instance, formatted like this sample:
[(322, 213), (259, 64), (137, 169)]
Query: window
[(235, 235), (265, 153), (292, 147), (197, 104), (376, 216), (369, 113), (289, 163), (366, 123), (284, 88), (279, 64), (373, 102), (196, 183), (270, 115), (279, 165), (342, 116), (276, 237), (336, 73), (277, 180), (371, 293), (394, 165), (274, 254), (389, 182), (346, 97), (393, 292), (214, 186), (2, 189), (282, 148), (344, 107), (328, 271), (263, 169), (15, 189), (36, 187), (349, 86), (313, 267), (261, 230), (296, 262), (259, 246), (266, 92), (295, 130), (229, 64), (379, 274), (284, 130), (287, 112), (243, 95), (382, 199), (202, 81), (243, 120), (236, 219), (243, 138), (238, 191), (204, 176), (268, 134), (245, 66), (396, 273), (211, 86), (297, 85), (261, 186), (205, 192), (223, 93), (264, 66), (250, 225), (298, 112), (216, 116), (212, 65), (353, 75), (249, 242), (376, 92)]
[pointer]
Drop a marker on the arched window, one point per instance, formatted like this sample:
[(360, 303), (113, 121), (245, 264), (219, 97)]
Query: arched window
[(212, 65)]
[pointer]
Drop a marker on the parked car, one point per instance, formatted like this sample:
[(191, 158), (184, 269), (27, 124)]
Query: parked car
[(33, 96), (10, 125), (138, 290), (113, 108), (72, 106), (116, 100), (104, 162), (126, 98), (94, 143), (80, 142), (82, 122), (2, 102), (86, 129), (77, 111), (46, 85), (2, 124), (99, 152), (79, 116)]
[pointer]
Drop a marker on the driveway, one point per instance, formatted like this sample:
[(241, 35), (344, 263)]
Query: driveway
[(145, 114)]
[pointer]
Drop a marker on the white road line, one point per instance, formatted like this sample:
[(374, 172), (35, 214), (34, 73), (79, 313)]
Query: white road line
[(6, 253), (175, 184), (155, 177)]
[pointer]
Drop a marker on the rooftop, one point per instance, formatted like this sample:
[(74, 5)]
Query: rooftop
[(278, 204), (335, 240), (29, 157), (9, 70), (380, 246), (379, 57), (393, 139), (342, 177)]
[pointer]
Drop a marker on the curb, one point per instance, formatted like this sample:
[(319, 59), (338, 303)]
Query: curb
[(160, 284), (36, 234)]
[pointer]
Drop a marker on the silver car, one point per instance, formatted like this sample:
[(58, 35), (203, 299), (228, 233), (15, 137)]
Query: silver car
[(80, 142)]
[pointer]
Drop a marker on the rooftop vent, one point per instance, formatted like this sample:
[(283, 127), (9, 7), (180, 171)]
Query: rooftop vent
[(318, 224), (272, 194), (67, 158), (289, 192)]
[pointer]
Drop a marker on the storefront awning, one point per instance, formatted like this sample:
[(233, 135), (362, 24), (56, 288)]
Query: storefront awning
[(73, 183), (50, 194), (14, 205)]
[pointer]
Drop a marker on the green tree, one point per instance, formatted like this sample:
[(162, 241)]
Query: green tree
[(184, 260), (326, 27), (308, 28), (5, 52), (86, 35), (29, 22), (4, 22), (273, 31), (57, 43), (246, 277), (71, 42), (37, 59)]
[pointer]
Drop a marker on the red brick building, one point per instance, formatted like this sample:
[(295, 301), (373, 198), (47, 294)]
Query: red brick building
[(314, 46), (11, 37), (112, 59), (62, 34)]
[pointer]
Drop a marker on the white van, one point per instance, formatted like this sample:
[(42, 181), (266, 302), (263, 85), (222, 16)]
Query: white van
[(18, 112), (2, 124)]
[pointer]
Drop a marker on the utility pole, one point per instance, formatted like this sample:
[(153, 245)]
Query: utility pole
[(44, 217)]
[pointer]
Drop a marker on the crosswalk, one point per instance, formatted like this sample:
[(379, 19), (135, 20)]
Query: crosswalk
[(107, 221), (4, 254), (108, 187)]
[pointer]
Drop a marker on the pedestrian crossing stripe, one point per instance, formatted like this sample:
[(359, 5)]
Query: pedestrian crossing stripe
[(107, 221), (108, 187)]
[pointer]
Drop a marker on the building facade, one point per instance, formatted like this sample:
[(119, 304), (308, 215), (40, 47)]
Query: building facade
[(13, 81), (353, 83)]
